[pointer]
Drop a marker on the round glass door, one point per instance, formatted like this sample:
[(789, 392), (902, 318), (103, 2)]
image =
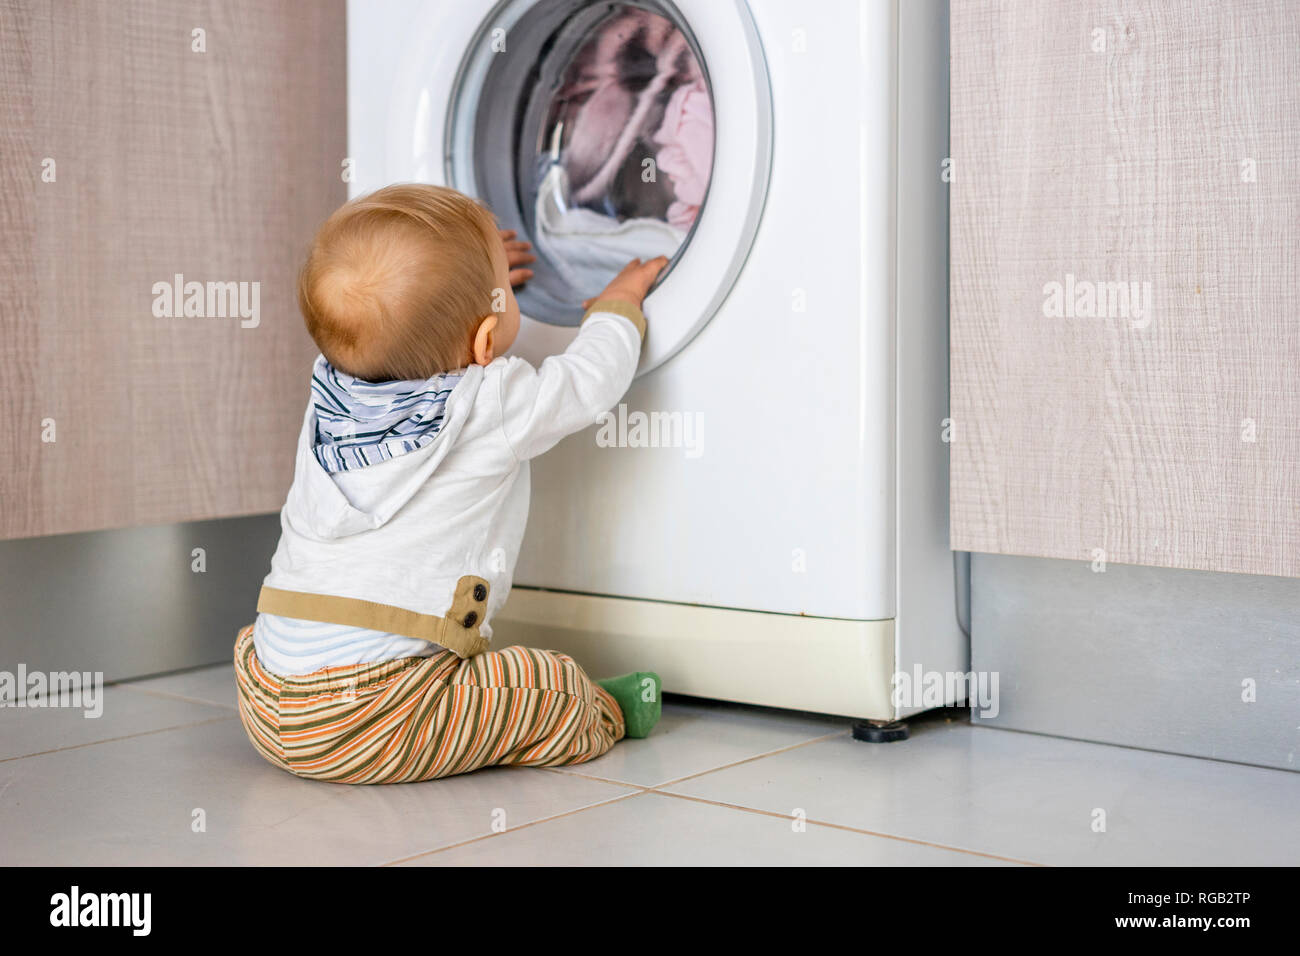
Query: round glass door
[(589, 128)]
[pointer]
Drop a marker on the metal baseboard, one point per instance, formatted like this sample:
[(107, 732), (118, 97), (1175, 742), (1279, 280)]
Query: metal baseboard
[(1144, 657), (128, 602)]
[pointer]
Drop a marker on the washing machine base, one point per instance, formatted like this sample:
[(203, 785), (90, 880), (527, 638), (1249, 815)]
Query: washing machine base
[(824, 665)]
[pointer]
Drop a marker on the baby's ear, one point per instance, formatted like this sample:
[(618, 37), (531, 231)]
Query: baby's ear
[(485, 340)]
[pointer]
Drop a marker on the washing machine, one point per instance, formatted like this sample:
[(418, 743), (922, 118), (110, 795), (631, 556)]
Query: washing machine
[(763, 518)]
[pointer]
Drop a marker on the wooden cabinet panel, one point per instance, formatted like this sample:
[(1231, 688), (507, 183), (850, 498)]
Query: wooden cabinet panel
[(212, 164), (1103, 148)]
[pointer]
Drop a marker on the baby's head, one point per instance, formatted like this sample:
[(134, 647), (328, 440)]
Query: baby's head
[(408, 282)]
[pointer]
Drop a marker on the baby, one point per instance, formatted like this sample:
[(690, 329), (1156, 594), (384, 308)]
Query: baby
[(369, 660)]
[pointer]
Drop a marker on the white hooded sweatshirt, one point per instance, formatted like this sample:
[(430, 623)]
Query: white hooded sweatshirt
[(424, 545)]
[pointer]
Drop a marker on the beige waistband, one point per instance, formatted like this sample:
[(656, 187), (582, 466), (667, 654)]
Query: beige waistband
[(457, 630)]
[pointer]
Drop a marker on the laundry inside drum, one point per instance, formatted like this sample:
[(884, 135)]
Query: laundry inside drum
[(623, 149)]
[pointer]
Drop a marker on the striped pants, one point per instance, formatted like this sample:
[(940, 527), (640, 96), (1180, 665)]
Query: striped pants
[(424, 717)]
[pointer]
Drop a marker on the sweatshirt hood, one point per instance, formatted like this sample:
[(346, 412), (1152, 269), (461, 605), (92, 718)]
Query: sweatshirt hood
[(360, 423), (367, 447)]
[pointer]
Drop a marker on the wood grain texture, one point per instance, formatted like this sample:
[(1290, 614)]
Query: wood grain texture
[(217, 165), (1127, 436)]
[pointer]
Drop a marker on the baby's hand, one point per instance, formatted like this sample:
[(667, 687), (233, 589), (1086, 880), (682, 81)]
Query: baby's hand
[(632, 284), (517, 256)]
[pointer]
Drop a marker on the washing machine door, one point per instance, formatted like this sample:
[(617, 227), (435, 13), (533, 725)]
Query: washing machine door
[(601, 132)]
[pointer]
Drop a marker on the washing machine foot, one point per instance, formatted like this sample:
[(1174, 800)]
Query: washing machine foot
[(879, 731)]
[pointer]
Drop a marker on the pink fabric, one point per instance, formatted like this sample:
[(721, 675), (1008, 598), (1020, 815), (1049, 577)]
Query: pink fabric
[(605, 119), (687, 155), (595, 128)]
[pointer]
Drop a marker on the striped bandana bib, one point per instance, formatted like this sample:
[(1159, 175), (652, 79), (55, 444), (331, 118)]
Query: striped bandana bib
[(361, 423)]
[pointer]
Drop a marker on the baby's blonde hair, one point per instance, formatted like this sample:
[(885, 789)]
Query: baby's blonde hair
[(397, 281)]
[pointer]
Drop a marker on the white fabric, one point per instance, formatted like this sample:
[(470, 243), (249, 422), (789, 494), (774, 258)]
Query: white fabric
[(288, 646), (404, 531), (588, 249)]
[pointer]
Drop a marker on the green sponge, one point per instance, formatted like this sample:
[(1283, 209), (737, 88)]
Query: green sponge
[(638, 697)]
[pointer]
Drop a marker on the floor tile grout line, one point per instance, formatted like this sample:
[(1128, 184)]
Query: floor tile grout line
[(109, 740), (657, 788), (170, 696), (669, 783), (560, 771), (639, 789), (642, 790), (750, 760), (846, 827), (737, 763), (522, 826)]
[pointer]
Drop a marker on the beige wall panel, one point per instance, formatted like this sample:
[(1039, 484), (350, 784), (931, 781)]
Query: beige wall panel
[(1169, 158), (216, 165)]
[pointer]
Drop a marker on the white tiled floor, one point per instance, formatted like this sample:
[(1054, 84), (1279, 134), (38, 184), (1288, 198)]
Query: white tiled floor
[(714, 784)]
